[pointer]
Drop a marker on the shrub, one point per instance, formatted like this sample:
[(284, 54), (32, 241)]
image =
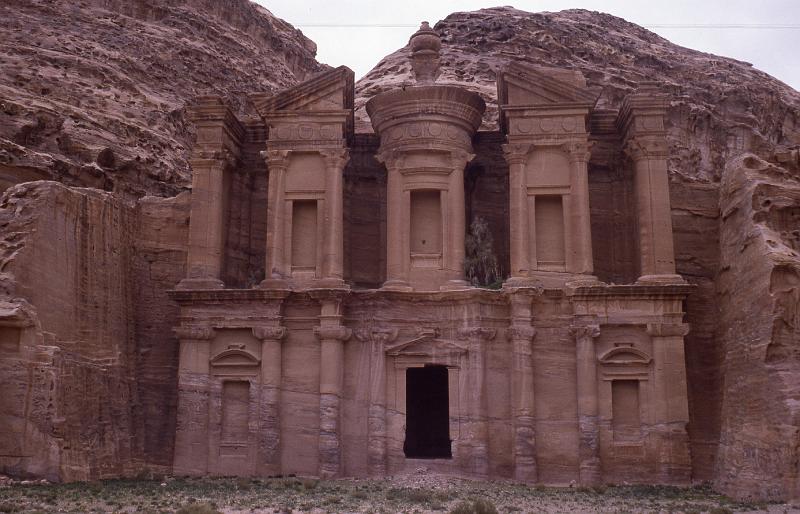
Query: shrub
[(479, 506), (198, 508), (480, 263)]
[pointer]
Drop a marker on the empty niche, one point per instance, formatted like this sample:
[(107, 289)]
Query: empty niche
[(549, 215), (626, 421), (426, 222), (235, 407), (304, 235), (9, 339)]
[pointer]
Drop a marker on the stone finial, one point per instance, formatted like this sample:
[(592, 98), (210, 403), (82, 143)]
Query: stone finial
[(425, 45)]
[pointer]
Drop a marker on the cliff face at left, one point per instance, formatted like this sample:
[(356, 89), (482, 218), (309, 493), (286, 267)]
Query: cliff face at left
[(93, 149), (92, 94)]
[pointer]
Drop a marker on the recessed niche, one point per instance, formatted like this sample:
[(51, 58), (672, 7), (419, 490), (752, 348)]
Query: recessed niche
[(426, 222), (549, 215), (235, 410), (304, 235)]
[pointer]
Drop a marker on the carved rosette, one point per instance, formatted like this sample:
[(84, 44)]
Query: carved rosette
[(194, 333), (269, 333)]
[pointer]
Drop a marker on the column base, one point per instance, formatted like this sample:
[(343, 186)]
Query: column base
[(331, 282), (661, 279), (520, 282), (584, 281), (396, 285), (455, 285), (273, 283), (200, 284)]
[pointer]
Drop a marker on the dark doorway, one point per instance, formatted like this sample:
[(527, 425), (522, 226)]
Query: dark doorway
[(427, 413)]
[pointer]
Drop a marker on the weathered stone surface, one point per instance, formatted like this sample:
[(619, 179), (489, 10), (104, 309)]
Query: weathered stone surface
[(93, 93)]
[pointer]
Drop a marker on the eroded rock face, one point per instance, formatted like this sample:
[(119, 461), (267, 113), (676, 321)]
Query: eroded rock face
[(92, 94)]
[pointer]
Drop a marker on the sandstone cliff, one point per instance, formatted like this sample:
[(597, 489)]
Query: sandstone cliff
[(93, 93), (743, 384)]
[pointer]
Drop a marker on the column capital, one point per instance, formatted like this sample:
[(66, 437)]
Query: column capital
[(383, 335), (578, 150), (640, 148), (276, 158), (585, 331), (194, 333), (476, 333), (335, 158), (339, 333), (521, 333), (667, 329), (460, 158), (269, 333), (391, 158), (209, 160), (516, 153)]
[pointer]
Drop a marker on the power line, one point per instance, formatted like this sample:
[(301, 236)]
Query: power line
[(757, 26)]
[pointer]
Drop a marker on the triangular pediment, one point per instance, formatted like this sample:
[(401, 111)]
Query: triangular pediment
[(425, 345), (329, 91), (522, 85)]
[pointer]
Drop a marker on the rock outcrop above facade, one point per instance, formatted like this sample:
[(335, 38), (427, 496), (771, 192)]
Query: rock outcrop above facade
[(92, 94)]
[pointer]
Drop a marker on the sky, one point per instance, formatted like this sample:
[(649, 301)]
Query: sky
[(359, 33)]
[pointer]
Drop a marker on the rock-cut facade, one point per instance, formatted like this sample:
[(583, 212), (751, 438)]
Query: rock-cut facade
[(327, 325)]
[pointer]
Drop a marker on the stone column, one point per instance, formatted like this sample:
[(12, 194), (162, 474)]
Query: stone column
[(656, 253), (207, 224), (333, 258), (191, 432), (397, 223), (580, 214), (457, 222), (478, 423), (332, 336), (586, 363), (269, 438), (521, 335), (275, 267), (377, 339), (671, 406), (516, 156)]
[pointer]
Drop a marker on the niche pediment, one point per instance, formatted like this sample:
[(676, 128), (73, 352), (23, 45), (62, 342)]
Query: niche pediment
[(235, 356), (426, 344), (625, 356)]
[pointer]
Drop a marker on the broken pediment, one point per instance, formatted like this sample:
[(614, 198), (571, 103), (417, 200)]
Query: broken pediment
[(535, 86), (425, 344), (329, 91)]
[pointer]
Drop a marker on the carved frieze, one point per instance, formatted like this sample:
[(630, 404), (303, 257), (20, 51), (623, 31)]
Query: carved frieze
[(521, 333), (269, 333), (667, 329), (477, 333), (542, 126), (194, 333)]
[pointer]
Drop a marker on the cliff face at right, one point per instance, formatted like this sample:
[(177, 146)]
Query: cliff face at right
[(734, 134)]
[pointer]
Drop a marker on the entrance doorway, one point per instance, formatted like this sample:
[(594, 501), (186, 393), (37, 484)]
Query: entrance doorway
[(427, 413)]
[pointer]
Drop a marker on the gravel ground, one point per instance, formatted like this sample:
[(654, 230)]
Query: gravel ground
[(420, 492)]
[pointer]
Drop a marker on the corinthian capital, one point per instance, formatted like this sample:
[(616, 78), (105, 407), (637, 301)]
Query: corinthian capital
[(523, 332), (644, 147), (476, 333), (585, 331), (382, 335), (269, 333), (335, 158), (578, 151), (276, 158), (194, 333), (516, 153), (334, 332)]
